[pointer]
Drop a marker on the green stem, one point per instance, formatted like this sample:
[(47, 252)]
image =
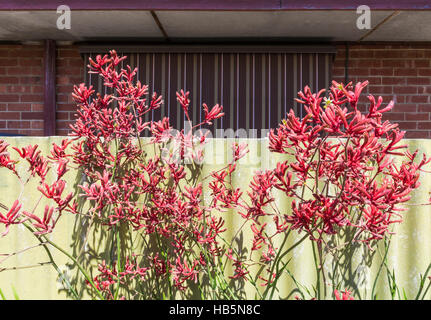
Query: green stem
[(317, 271), (119, 268), (250, 279), (77, 264), (380, 268), (64, 279), (282, 256), (422, 283), (426, 290), (286, 236)]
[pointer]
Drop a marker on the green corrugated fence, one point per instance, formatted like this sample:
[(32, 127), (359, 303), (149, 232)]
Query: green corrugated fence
[(35, 278)]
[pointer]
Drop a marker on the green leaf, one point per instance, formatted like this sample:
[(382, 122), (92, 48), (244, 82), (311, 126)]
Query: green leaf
[(15, 294), (404, 294), (2, 295)]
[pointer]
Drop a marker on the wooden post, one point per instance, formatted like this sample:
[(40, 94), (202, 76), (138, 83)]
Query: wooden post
[(49, 88)]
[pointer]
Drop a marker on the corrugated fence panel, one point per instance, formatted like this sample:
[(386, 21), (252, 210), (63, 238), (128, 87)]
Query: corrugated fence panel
[(408, 257), (256, 89)]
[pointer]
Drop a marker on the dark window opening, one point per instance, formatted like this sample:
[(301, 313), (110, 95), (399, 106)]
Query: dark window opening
[(256, 86)]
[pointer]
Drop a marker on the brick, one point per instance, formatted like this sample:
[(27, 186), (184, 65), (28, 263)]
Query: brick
[(15, 131), (31, 98), (19, 107), (424, 125), (37, 89), (408, 125), (30, 62), (359, 72), (65, 124), (360, 54), (339, 63), (31, 80), (394, 116), (412, 134), (414, 54), (62, 98), (404, 107), (18, 124), (374, 80), (396, 63), (37, 71), (405, 72), (19, 89), (418, 81), (424, 72), (382, 71), (401, 99), (8, 62), (67, 53), (405, 90), (419, 99), (32, 115), (380, 89), (9, 115), (424, 107), (62, 80), (417, 116), (66, 107), (79, 64), (422, 63), (33, 50), (18, 71), (65, 89), (370, 47), (37, 107), (367, 63), (9, 97), (37, 124), (337, 72), (422, 90), (35, 133), (74, 73), (62, 115), (393, 80), (27, 51), (9, 80)]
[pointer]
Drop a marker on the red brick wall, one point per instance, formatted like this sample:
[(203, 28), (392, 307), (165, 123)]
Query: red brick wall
[(21, 88), (396, 72)]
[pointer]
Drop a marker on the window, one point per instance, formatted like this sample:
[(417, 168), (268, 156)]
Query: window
[(255, 85)]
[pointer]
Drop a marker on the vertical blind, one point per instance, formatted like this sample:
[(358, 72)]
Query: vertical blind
[(256, 87)]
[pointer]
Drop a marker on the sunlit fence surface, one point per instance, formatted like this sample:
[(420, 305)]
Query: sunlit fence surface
[(31, 274)]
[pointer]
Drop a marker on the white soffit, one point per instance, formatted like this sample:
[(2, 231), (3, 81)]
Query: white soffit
[(85, 25), (332, 25), (329, 25), (406, 26)]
